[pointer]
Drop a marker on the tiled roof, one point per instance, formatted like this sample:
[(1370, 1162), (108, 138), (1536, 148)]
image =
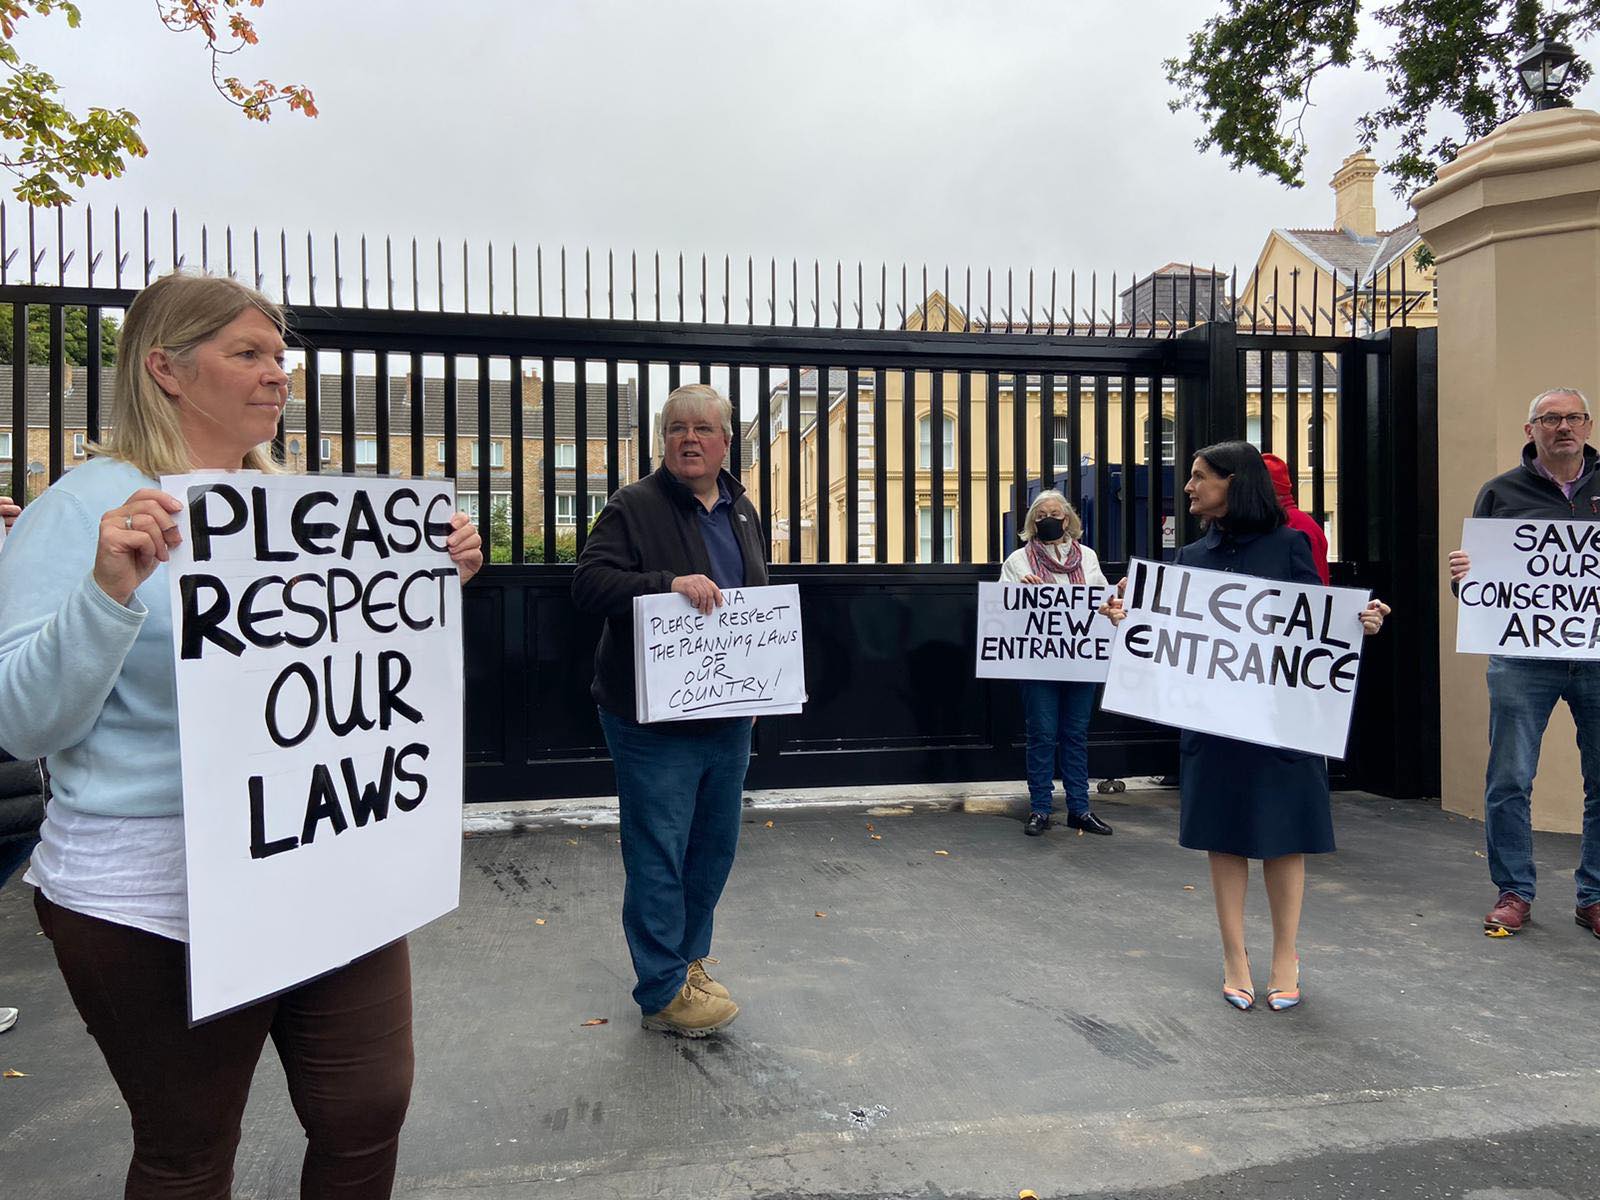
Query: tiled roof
[(1163, 296), (1343, 253)]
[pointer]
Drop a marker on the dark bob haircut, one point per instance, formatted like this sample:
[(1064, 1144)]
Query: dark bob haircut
[(1252, 502)]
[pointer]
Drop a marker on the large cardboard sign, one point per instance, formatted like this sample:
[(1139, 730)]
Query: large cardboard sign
[(1533, 590), (1043, 631), (317, 639), (746, 659), (1259, 660)]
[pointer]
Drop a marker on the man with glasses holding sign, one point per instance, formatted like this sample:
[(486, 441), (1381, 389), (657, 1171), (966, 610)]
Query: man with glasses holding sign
[(1556, 481)]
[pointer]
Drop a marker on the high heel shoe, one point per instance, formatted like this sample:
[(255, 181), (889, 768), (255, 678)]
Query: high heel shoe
[(1283, 999), (1244, 999)]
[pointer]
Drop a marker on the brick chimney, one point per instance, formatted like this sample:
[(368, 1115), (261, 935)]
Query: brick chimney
[(1352, 189), (297, 382)]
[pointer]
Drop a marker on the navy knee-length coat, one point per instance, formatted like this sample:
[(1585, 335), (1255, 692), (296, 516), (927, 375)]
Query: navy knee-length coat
[(1238, 797)]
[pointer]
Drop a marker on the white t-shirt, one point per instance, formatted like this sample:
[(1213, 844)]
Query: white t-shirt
[(1016, 566), (128, 870)]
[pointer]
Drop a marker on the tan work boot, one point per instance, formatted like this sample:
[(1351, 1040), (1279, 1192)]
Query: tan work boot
[(692, 1013), (698, 977)]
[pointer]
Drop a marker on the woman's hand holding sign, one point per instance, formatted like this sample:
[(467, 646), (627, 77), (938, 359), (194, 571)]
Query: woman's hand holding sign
[(133, 540), (1460, 564), (1372, 616), (1112, 609), (466, 546)]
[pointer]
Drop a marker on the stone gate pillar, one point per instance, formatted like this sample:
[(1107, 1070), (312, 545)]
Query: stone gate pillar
[(1514, 223)]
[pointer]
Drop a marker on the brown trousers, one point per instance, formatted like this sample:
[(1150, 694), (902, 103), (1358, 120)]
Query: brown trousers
[(344, 1041)]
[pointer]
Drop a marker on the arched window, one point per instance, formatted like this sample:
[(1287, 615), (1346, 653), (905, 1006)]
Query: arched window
[(925, 442)]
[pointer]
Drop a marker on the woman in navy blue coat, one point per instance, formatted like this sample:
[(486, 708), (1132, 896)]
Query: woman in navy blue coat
[(1240, 800)]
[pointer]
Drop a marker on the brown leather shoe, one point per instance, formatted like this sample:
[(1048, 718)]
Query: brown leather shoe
[(692, 1013), (698, 977), (1588, 915), (1510, 913)]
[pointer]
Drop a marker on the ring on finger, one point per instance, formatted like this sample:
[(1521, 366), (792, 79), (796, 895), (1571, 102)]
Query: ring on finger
[(127, 521)]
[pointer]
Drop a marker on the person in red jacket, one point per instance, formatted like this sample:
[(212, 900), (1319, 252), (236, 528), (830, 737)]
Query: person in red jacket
[(1279, 470)]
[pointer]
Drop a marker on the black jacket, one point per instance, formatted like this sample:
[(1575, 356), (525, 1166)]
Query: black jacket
[(1523, 492), (645, 537)]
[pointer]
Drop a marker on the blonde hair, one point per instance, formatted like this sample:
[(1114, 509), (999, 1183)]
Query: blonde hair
[(1030, 524), (697, 397), (176, 313)]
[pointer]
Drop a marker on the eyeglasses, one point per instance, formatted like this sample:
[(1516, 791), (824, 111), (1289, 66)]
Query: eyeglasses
[(1557, 420), (677, 430)]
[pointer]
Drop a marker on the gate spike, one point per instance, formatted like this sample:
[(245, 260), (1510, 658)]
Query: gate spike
[(438, 259), (388, 268), (883, 296), (633, 290), (88, 228), (966, 308), (988, 305), (947, 298), (705, 280), (1072, 302), (311, 269), (563, 280), (680, 285), (466, 278), (255, 243), (750, 288), (1009, 303), (205, 249), (905, 315), (416, 279), (611, 284), (861, 295), (1112, 330), (149, 263), (816, 295), (516, 284), (33, 259), (727, 290), (227, 241), (794, 291), (1094, 287), (283, 261), (538, 276), (338, 275), (1030, 299), (838, 293), (176, 261), (772, 293), (5, 255), (62, 263), (1052, 303), (490, 261)]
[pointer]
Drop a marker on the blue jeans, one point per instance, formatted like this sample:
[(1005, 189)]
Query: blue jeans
[(1522, 694), (680, 794), (1058, 741)]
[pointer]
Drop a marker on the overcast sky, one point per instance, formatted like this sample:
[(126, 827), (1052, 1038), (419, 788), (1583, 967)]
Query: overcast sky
[(1014, 133)]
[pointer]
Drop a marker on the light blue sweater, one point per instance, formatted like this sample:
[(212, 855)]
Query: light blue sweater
[(84, 681)]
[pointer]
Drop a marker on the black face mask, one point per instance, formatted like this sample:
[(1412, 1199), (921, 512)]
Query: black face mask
[(1050, 529)]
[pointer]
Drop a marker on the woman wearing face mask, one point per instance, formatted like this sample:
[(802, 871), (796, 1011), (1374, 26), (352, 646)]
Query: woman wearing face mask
[(1057, 711)]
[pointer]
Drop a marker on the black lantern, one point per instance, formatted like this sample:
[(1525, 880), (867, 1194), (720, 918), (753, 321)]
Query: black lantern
[(1544, 68)]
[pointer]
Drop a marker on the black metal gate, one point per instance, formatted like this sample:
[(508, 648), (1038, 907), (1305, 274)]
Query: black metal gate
[(888, 635)]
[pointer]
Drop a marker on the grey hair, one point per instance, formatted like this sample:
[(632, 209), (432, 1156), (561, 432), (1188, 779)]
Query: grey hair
[(697, 397), (1533, 409), (1030, 523)]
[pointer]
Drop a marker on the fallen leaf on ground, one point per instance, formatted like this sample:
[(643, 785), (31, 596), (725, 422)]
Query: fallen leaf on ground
[(822, 914), (769, 824), (1188, 887), (538, 920), (946, 853), (1080, 833), (1027, 1194), (870, 826), (572, 841), (10, 1074), (1497, 933), (877, 837), (1480, 854), (596, 1021)]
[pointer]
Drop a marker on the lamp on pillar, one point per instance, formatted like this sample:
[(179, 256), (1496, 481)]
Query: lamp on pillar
[(1544, 68)]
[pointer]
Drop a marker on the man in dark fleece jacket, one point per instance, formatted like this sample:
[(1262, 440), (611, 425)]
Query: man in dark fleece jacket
[(689, 529), (1558, 480)]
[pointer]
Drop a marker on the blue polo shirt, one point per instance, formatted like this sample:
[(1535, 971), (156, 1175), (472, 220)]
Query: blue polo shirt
[(722, 544)]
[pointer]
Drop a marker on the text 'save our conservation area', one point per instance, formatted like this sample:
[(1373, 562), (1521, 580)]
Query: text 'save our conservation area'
[(745, 658), (1533, 590), (1259, 660), (317, 639), (1043, 631)]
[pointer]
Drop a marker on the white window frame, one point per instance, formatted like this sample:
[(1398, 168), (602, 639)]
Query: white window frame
[(566, 456), (367, 452), (325, 445), (925, 442), (497, 455), (78, 445), (1063, 444), (441, 452), (925, 534), (596, 503), (1169, 439), (5, 443), (566, 510)]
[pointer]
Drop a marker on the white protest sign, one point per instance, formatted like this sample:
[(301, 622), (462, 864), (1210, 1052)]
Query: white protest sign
[(1043, 631), (1258, 660), (745, 659), (1533, 590), (317, 639)]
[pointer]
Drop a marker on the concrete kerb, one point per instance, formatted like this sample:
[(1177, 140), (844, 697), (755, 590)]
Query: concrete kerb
[(1003, 797)]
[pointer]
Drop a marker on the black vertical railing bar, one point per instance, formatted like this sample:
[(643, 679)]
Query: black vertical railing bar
[(1268, 368), (764, 450), (736, 419), (1074, 441), (852, 466), (419, 434), (1154, 466), (674, 374), (380, 409), (1128, 508), (910, 464), (1102, 462), (19, 403), (641, 421), (547, 416), (347, 412), (1291, 433), (95, 365), (613, 432), (1316, 449), (936, 427), (451, 425), (580, 439), (964, 464), (880, 465), (1018, 500), (1047, 432), (485, 443), (824, 504), (792, 423), (991, 465), (313, 412), (57, 388), (518, 465)]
